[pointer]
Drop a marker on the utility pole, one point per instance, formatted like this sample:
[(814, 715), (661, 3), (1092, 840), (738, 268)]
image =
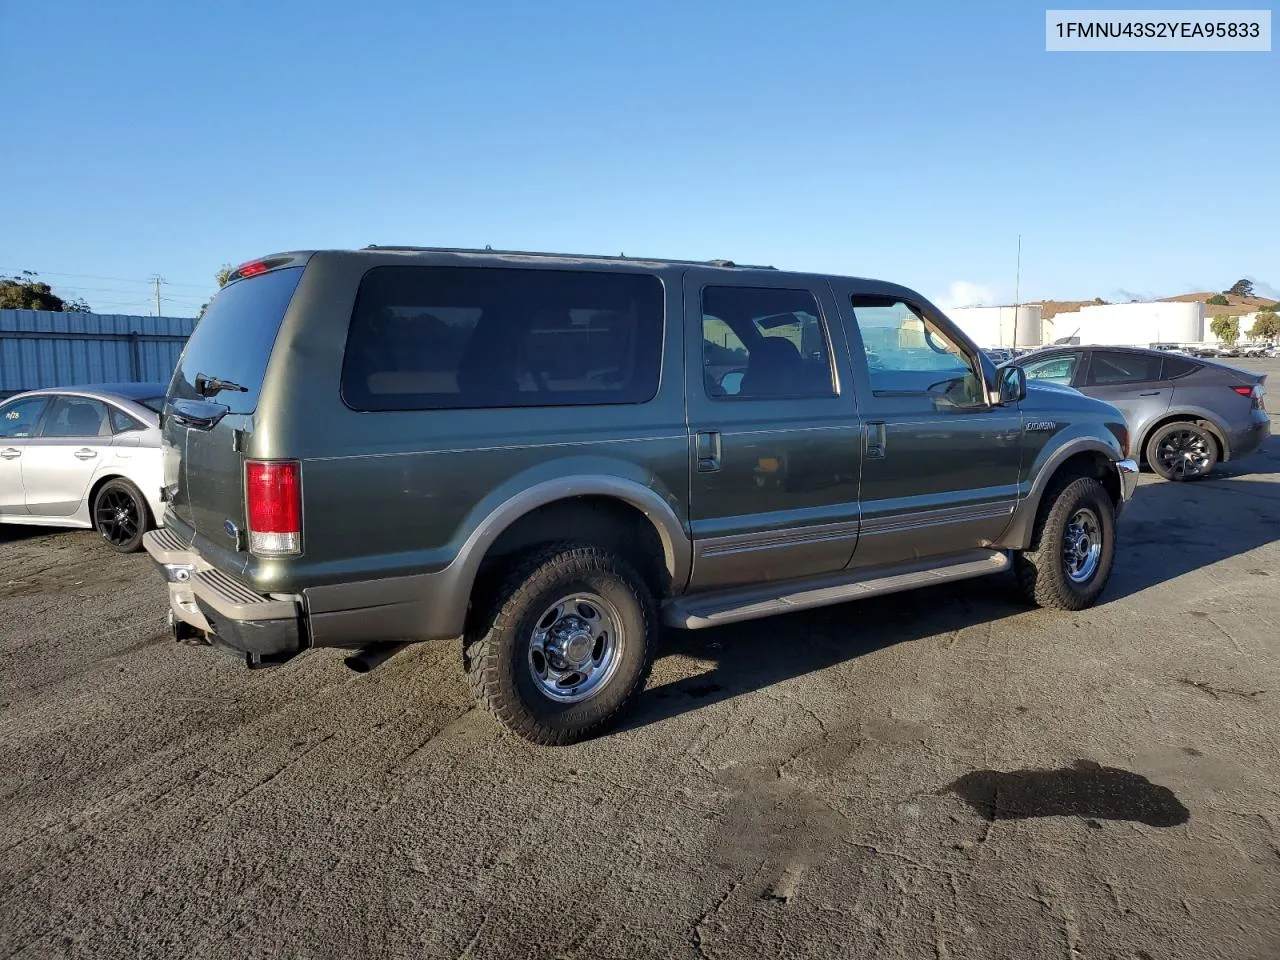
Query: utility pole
[(157, 280), (1017, 293)]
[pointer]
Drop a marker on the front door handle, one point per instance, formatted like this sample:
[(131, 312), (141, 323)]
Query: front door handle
[(84, 453), (10, 453), (707, 444), (877, 439)]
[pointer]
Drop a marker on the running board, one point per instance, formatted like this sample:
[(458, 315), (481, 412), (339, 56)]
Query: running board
[(729, 606)]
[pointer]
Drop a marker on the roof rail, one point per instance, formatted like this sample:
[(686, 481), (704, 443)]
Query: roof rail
[(729, 264)]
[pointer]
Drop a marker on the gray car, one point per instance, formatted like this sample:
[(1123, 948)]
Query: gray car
[(83, 457), (551, 456), (1185, 414)]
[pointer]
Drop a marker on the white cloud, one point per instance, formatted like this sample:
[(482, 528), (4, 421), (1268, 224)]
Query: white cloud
[(965, 293)]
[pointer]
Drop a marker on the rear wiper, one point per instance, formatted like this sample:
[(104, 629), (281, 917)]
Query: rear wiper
[(212, 386)]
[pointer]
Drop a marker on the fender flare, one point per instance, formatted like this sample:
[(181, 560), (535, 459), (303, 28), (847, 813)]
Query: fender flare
[(1017, 536)]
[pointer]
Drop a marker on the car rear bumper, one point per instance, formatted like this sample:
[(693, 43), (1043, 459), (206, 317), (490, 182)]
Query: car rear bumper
[(265, 630), (1246, 440)]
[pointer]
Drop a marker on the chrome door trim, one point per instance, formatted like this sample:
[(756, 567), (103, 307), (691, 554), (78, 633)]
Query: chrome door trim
[(759, 540)]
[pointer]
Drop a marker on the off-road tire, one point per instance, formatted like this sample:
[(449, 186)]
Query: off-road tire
[(1153, 447), (119, 488), (495, 647), (1040, 569)]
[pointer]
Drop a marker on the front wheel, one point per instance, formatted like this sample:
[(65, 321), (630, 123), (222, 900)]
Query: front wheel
[(565, 644), (121, 516), (1182, 451), (1072, 548)]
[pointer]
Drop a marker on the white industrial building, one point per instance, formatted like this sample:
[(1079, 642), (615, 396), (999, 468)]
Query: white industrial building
[(1020, 326), (1116, 324)]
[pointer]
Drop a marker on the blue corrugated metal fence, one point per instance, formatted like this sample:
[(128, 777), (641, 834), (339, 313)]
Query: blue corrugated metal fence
[(39, 348)]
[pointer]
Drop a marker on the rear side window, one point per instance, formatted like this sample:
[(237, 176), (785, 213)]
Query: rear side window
[(121, 422), (234, 339), (1107, 368), (76, 417), (433, 338), (1175, 367)]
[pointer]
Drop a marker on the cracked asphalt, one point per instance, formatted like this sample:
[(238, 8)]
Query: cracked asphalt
[(941, 774)]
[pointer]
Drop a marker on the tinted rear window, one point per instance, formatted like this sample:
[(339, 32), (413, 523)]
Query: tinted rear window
[(425, 338), (1106, 367), (233, 340)]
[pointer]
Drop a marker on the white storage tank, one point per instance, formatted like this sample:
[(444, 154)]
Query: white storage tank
[(1019, 326), (1134, 324)]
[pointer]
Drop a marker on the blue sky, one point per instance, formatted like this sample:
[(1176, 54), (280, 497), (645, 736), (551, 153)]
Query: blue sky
[(907, 141)]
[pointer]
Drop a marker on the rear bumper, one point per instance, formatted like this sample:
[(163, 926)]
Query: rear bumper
[(1246, 440), (264, 629)]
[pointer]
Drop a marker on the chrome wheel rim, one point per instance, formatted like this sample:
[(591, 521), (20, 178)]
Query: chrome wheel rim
[(1082, 546), (117, 517), (576, 647), (1184, 453)]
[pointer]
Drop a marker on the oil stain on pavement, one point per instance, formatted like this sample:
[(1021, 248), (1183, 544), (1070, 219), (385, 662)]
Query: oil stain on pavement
[(1085, 789)]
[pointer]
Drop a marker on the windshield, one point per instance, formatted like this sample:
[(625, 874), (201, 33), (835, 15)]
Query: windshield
[(234, 339)]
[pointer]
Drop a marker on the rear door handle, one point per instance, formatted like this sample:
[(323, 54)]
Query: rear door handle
[(1151, 393), (876, 439), (10, 453), (707, 444), (84, 453)]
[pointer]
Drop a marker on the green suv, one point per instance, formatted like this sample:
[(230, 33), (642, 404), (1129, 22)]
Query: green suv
[(553, 456)]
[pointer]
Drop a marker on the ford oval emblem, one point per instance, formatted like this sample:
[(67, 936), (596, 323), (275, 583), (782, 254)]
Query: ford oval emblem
[(231, 529)]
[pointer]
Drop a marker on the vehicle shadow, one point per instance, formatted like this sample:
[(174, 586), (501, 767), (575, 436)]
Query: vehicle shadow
[(1168, 530), (757, 654)]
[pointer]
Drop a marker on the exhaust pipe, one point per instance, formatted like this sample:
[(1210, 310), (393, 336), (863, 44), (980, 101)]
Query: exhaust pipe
[(375, 654)]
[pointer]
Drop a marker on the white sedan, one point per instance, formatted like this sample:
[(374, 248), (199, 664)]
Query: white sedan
[(84, 457)]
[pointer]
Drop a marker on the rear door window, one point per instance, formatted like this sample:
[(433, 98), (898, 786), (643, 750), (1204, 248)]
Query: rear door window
[(432, 338), (1107, 368), (234, 339), (76, 417)]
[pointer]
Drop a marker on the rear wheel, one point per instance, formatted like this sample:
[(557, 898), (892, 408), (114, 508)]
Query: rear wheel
[(564, 645), (1182, 451), (121, 516), (1072, 548)]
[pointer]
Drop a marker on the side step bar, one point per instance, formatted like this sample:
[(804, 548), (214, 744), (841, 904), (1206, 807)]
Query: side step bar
[(729, 606)]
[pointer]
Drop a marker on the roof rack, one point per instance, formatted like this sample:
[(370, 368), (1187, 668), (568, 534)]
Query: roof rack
[(728, 264)]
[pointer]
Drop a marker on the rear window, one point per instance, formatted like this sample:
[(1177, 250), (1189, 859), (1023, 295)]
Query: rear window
[(430, 338), (233, 340)]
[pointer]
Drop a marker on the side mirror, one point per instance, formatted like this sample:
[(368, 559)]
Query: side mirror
[(1012, 384)]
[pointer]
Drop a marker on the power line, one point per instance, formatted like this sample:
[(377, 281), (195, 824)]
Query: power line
[(90, 276)]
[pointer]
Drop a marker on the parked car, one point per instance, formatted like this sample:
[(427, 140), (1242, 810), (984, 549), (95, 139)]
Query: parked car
[(550, 456), (83, 457), (1185, 415), (998, 355)]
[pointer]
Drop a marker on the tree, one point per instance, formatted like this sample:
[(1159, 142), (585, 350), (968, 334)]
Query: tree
[(1266, 326), (1226, 329), (1218, 300), (25, 292), (222, 276), (1241, 288)]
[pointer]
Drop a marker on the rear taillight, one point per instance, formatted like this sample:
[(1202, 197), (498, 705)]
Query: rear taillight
[(1255, 393), (1244, 391), (273, 501)]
